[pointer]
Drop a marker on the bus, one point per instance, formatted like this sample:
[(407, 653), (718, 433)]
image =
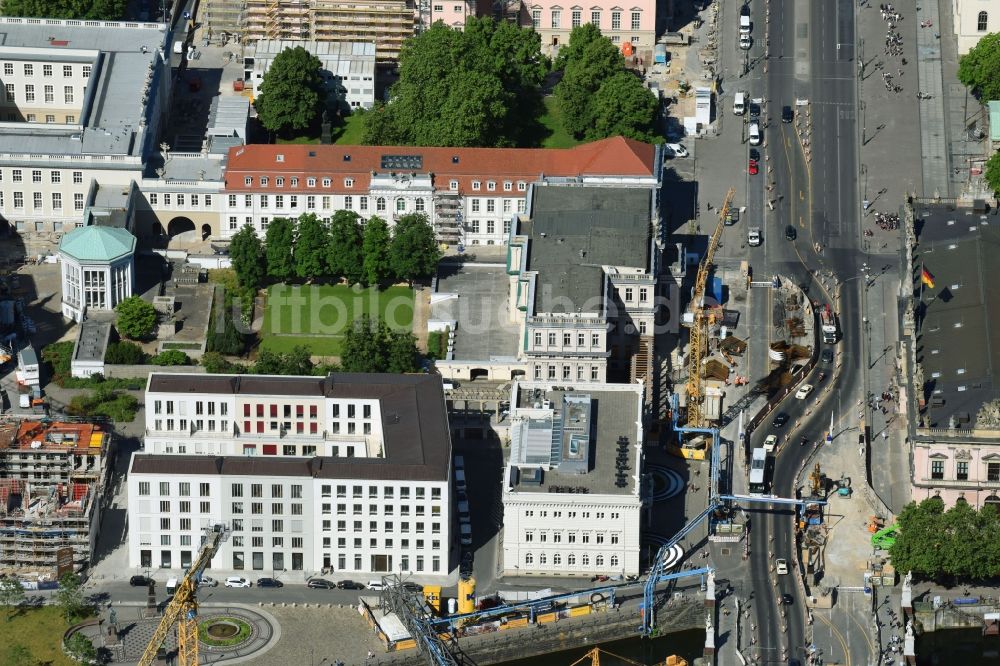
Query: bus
[(758, 463)]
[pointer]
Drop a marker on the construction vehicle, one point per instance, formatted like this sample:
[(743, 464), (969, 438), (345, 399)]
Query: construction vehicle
[(183, 608), (700, 321), (828, 324), (885, 537)]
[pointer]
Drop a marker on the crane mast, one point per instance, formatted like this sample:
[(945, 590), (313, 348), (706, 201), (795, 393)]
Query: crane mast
[(699, 326), (183, 608)]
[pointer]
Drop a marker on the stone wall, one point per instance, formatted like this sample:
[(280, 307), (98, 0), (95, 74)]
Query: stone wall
[(951, 617), (136, 371)]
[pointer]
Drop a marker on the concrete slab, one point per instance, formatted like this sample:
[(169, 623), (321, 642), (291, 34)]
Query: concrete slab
[(482, 329)]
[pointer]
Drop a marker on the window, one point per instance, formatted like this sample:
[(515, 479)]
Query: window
[(475, 205), (8, 69), (636, 20), (29, 93), (400, 205), (363, 203), (380, 204), (476, 185), (50, 94), (57, 201), (576, 18), (67, 70), (556, 18), (19, 199), (453, 185), (78, 201), (536, 18), (68, 94), (981, 22), (962, 471), (29, 70), (616, 20), (348, 182), (144, 487), (419, 205), (9, 88), (595, 18), (937, 469), (993, 471)]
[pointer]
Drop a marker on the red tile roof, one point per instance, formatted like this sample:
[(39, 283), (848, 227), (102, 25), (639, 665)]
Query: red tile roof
[(616, 156)]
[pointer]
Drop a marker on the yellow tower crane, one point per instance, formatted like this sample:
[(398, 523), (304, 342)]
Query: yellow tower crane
[(593, 657), (183, 608), (700, 323)]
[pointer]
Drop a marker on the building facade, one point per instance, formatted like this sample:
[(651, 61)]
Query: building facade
[(572, 491), (973, 20), (957, 466), (97, 266), (309, 473), (470, 195), (634, 24)]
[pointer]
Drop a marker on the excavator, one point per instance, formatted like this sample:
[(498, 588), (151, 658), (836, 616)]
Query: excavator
[(183, 608)]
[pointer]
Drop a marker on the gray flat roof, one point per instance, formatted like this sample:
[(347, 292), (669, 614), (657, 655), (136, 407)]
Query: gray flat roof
[(414, 416), (92, 341), (575, 231), (119, 75), (480, 329), (961, 326), (612, 416)]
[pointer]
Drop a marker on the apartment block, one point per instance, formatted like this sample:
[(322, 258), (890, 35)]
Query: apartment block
[(348, 472), (52, 478)]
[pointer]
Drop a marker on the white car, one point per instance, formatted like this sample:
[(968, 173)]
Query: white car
[(375, 585), (745, 42), (237, 581), (781, 566), (208, 581), (804, 391), (770, 442), (754, 133), (753, 236), (677, 150)]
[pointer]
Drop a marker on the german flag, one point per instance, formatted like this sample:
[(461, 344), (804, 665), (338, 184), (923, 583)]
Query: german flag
[(926, 277)]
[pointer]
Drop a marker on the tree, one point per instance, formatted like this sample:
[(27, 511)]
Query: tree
[(402, 354), (69, 598), (580, 37), (345, 256), (94, 10), (414, 252), (311, 246), (295, 362), (11, 595), (371, 346), (124, 353), (595, 60), (171, 357), (292, 94), (278, 244), (473, 87), (81, 648), (136, 318), (623, 106), (246, 254), (993, 173), (377, 268), (979, 69)]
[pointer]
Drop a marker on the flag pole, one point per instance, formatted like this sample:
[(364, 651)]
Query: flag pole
[(921, 282)]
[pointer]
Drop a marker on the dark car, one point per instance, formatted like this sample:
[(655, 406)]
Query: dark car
[(755, 154), (780, 419), (754, 111), (826, 356), (787, 599), (321, 584), (269, 582), (787, 115), (140, 581), (790, 233), (350, 585), (745, 10), (410, 586)]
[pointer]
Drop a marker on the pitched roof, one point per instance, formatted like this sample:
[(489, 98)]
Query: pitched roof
[(616, 156), (97, 243)]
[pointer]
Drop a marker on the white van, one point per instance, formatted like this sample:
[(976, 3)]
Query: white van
[(744, 25), (740, 103), (172, 584), (179, 47), (754, 134)]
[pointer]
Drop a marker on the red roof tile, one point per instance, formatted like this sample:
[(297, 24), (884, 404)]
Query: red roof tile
[(616, 156)]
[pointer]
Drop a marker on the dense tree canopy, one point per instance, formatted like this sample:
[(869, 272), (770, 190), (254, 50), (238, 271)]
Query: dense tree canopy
[(345, 258), (371, 346), (136, 318), (246, 254), (94, 10), (312, 242), (474, 87), (992, 172), (278, 243), (623, 106), (959, 542), (979, 69), (292, 94), (414, 252), (375, 248), (594, 60), (295, 362)]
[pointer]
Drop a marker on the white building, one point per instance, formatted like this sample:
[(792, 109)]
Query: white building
[(973, 20), (470, 195), (97, 269), (81, 106), (348, 68), (349, 472), (572, 486)]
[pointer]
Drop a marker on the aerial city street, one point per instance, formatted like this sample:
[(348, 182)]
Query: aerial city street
[(393, 332)]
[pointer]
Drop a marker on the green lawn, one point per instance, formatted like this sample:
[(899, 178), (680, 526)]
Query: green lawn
[(351, 131), (296, 140), (551, 120), (40, 630), (317, 315)]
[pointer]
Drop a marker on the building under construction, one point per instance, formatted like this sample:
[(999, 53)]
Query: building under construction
[(387, 23), (52, 478)]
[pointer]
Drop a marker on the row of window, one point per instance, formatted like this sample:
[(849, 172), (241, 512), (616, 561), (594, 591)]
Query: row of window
[(571, 559), (375, 509), (388, 527), (256, 490), (168, 199), (38, 201), (48, 92), (55, 177), (293, 181), (388, 543), (576, 19), (962, 470), (567, 372), (557, 537), (183, 489), (586, 515), (47, 70)]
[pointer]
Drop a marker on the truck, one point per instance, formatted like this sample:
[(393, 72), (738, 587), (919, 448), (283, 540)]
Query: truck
[(27, 367), (828, 324), (660, 54)]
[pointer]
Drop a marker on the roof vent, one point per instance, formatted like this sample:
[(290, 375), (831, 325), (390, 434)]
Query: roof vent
[(347, 157), (454, 159), (279, 158)]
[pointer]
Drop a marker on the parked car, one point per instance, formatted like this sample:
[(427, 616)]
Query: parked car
[(804, 391), (237, 581), (787, 115), (754, 133), (787, 599), (321, 584), (790, 233), (676, 150), (413, 587), (781, 566), (208, 581), (269, 582), (752, 167), (349, 585), (140, 581), (375, 585), (753, 237), (745, 42), (826, 356), (780, 419), (770, 442)]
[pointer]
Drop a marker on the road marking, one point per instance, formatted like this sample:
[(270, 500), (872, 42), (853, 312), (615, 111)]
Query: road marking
[(868, 639), (839, 636)]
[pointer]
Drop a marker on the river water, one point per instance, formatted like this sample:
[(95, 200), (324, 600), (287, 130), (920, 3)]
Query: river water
[(961, 647), (687, 644)]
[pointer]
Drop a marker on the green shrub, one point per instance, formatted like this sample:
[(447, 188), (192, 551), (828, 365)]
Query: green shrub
[(171, 357), (125, 353)]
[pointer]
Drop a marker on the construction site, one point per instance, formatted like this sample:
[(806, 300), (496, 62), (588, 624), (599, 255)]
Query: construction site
[(52, 477)]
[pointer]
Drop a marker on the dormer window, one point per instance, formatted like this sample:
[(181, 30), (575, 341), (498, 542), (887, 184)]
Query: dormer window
[(508, 186), (279, 158), (248, 181), (453, 186), (348, 182), (491, 186), (263, 181), (295, 181), (475, 185), (522, 186), (310, 182), (326, 182), (279, 182)]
